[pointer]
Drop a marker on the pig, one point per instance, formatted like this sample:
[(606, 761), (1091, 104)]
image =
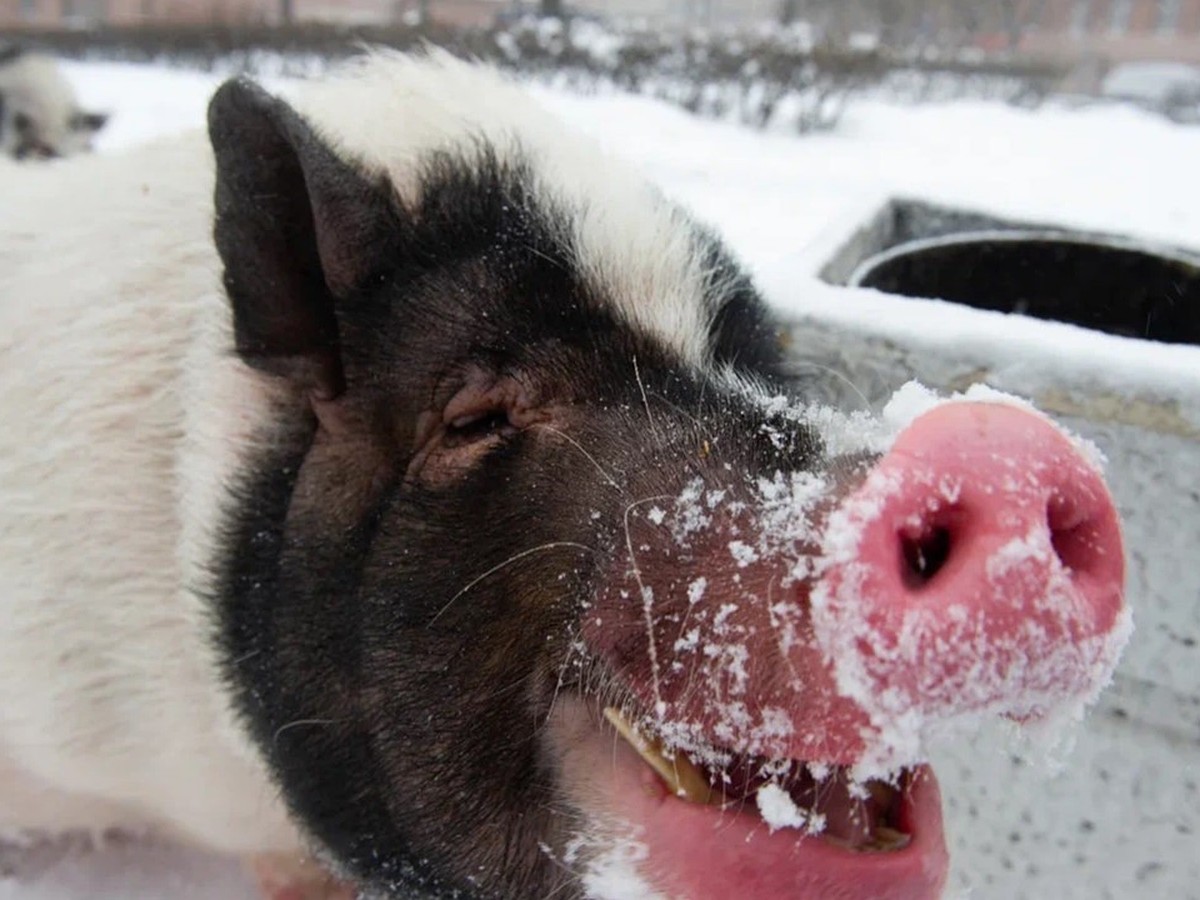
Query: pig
[(398, 486), (40, 116)]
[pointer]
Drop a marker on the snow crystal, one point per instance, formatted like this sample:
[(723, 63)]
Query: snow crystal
[(913, 400), (1016, 553), (778, 809), (689, 642), (742, 553), (690, 516), (720, 620)]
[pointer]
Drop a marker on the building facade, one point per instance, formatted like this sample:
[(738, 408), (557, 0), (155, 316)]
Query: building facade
[(1114, 30), (36, 14), (1063, 30)]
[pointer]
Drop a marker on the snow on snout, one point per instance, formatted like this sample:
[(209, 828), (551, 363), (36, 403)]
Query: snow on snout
[(978, 571)]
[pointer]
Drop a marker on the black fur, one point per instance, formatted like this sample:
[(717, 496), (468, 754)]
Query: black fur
[(296, 227), (742, 333)]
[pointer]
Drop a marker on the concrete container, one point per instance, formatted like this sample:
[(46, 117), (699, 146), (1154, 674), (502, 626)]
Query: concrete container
[(1122, 819)]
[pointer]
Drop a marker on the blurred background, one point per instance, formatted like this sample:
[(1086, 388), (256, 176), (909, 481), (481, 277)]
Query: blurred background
[(791, 62)]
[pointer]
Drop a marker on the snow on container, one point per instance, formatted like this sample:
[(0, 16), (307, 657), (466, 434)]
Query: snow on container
[(1109, 344)]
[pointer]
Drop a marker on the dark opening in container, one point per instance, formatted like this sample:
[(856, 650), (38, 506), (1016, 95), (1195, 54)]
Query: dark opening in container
[(1107, 285)]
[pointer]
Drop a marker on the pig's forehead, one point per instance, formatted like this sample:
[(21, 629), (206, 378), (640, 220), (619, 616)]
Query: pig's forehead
[(629, 244)]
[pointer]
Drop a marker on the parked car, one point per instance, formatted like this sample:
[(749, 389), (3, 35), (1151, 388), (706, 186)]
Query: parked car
[(1169, 88)]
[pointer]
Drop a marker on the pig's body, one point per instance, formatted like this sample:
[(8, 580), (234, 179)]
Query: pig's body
[(125, 417), (486, 453)]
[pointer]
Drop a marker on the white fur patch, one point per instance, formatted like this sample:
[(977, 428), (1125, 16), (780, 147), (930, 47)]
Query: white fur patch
[(637, 249), (125, 413)]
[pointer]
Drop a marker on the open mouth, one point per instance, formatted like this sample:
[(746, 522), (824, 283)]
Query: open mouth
[(768, 829), (820, 801)]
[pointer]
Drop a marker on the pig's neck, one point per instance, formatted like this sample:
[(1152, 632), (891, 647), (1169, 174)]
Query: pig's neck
[(126, 417)]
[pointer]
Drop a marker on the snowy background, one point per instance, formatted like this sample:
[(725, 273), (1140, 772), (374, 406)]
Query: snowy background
[(777, 197)]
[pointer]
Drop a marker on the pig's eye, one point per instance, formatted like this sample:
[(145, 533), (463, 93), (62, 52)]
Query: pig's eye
[(468, 429), (482, 412)]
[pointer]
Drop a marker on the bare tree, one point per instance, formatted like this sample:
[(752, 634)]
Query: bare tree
[(287, 11), (552, 9)]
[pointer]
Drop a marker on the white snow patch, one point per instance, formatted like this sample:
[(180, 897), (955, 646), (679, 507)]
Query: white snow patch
[(742, 553), (778, 809), (1015, 554), (613, 874)]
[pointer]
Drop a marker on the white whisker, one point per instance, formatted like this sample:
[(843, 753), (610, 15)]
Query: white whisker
[(566, 437), (646, 598), (838, 375), (645, 402), (512, 559), (299, 723)]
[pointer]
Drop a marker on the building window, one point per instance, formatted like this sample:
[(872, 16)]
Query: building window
[(28, 10), (1120, 12), (1081, 17), (1168, 16)]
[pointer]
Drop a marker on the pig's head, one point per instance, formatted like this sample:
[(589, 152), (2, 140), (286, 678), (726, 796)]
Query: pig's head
[(535, 592)]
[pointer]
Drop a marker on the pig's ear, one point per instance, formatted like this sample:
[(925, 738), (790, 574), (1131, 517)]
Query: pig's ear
[(298, 229)]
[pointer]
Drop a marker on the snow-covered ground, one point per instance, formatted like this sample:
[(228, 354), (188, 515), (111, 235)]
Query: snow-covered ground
[(775, 197)]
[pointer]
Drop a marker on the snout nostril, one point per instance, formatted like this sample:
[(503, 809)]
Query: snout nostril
[(924, 555), (1073, 534), (1075, 547)]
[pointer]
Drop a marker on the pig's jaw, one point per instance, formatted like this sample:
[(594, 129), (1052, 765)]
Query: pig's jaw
[(712, 851)]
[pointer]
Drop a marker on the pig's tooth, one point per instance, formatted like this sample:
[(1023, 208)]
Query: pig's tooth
[(885, 839), (682, 777)]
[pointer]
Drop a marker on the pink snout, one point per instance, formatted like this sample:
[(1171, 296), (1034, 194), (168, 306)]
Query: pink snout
[(979, 569)]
